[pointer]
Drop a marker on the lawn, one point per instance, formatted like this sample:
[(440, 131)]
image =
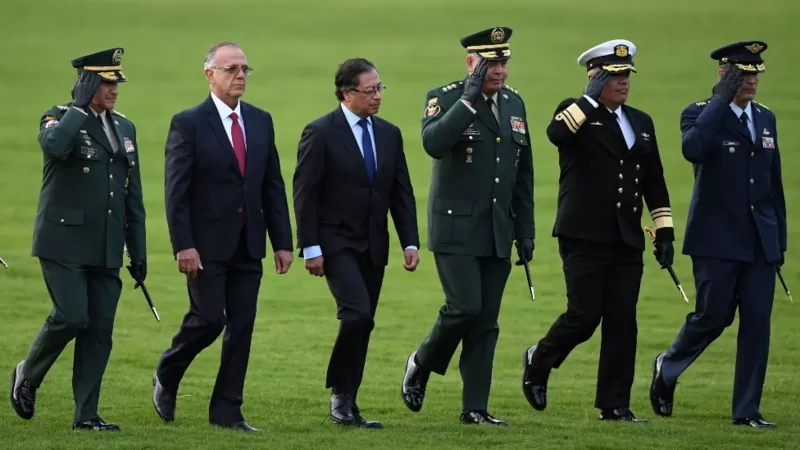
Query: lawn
[(295, 48)]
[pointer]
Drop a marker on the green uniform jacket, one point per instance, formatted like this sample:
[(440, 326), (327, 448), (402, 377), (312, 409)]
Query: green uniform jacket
[(481, 191), (90, 204)]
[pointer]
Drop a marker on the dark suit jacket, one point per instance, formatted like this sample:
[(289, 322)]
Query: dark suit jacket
[(206, 192), (602, 182), (738, 199), (335, 204)]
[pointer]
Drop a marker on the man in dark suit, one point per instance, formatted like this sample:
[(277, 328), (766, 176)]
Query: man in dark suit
[(735, 234), (224, 192), (351, 172), (609, 162)]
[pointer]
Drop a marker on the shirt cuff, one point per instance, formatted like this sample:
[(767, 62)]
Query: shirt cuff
[(312, 252), (412, 247), (468, 106), (591, 100)]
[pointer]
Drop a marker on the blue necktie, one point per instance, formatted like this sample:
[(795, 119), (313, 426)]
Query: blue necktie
[(366, 144)]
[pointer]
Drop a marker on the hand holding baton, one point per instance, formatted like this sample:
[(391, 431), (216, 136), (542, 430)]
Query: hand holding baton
[(652, 235), (780, 276)]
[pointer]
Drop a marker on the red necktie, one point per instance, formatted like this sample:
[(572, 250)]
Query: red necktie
[(238, 141), (238, 148)]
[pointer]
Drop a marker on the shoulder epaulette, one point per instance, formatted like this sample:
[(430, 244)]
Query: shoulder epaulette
[(62, 107), (703, 103), (114, 111), (763, 106), (452, 86), (511, 89)]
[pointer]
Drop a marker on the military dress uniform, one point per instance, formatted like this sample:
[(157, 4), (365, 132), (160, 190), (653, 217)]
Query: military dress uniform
[(735, 235), (90, 207), (610, 168), (480, 200)]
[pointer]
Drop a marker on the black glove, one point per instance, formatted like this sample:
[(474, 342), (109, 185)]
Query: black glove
[(524, 251), (596, 85), (728, 84), (85, 88), (664, 253), (474, 84), (138, 271), (780, 263)]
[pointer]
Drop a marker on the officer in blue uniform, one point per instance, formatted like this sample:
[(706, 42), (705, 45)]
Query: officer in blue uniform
[(735, 234)]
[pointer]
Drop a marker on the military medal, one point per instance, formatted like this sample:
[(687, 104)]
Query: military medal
[(517, 124), (129, 146), (516, 163), (469, 155), (768, 142)]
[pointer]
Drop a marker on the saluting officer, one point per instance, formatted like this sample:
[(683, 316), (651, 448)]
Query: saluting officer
[(609, 159), (735, 233), (480, 200), (90, 207)]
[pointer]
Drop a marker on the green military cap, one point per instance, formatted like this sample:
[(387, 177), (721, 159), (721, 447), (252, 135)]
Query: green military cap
[(106, 63), (491, 43), (745, 55)]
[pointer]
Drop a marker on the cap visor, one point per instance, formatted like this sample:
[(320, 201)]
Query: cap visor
[(619, 68)]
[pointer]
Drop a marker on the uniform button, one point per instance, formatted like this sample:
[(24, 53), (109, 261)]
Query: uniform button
[(85, 170), (751, 207), (449, 211), (752, 181), (635, 209), (732, 150), (621, 162), (470, 138), (620, 176), (111, 177), (752, 154), (498, 160), (619, 204), (636, 180), (133, 163), (239, 210), (111, 194), (619, 190), (636, 194), (111, 161), (496, 180), (637, 167), (109, 212), (494, 200), (498, 139), (62, 220)]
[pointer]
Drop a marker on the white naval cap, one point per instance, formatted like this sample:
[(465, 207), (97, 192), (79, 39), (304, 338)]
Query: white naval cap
[(614, 56)]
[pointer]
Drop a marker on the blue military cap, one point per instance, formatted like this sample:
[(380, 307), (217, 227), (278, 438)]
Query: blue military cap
[(106, 63), (615, 56), (745, 55), (491, 43)]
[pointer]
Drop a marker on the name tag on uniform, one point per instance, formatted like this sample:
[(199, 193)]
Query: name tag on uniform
[(730, 142), (767, 142), (472, 131), (89, 152), (517, 124), (129, 146)]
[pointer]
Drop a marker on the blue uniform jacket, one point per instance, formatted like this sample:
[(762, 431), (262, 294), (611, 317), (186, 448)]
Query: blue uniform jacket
[(738, 191)]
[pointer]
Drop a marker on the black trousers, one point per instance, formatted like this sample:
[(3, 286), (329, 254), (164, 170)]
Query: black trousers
[(355, 283), (223, 296), (602, 284)]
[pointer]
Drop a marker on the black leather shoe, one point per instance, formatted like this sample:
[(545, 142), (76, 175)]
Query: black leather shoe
[(237, 426), (620, 414), (23, 394), (481, 417), (362, 422), (163, 401), (414, 384), (754, 422), (661, 395), (342, 409), (534, 381), (96, 424)]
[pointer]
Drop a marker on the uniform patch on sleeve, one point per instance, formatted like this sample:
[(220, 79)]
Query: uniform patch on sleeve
[(433, 107), (50, 122)]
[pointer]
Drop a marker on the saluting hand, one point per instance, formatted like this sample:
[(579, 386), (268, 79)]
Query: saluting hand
[(283, 260), (474, 85), (85, 88), (411, 259), (728, 84), (189, 262), (596, 84)]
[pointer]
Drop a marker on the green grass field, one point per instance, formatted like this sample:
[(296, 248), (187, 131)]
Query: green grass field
[(295, 48)]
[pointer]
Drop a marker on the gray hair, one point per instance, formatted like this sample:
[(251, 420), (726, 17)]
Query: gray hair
[(209, 61)]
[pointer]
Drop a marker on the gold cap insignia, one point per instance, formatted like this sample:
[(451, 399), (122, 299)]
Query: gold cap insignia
[(754, 47), (621, 50), (498, 35), (117, 57)]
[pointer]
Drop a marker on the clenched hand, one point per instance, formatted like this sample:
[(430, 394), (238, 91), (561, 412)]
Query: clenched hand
[(283, 260), (189, 262)]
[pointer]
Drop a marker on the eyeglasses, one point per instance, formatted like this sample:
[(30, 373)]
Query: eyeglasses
[(234, 69), (371, 93)]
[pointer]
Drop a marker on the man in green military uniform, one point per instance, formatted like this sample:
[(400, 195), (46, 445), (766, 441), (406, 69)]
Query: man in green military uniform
[(90, 207), (480, 200)]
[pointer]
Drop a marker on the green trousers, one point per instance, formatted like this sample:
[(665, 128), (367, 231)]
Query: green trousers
[(84, 305), (473, 289)]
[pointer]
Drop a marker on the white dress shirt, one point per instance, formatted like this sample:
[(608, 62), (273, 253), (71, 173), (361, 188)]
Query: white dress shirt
[(622, 119), (749, 110), (352, 120), (227, 122), (495, 109)]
